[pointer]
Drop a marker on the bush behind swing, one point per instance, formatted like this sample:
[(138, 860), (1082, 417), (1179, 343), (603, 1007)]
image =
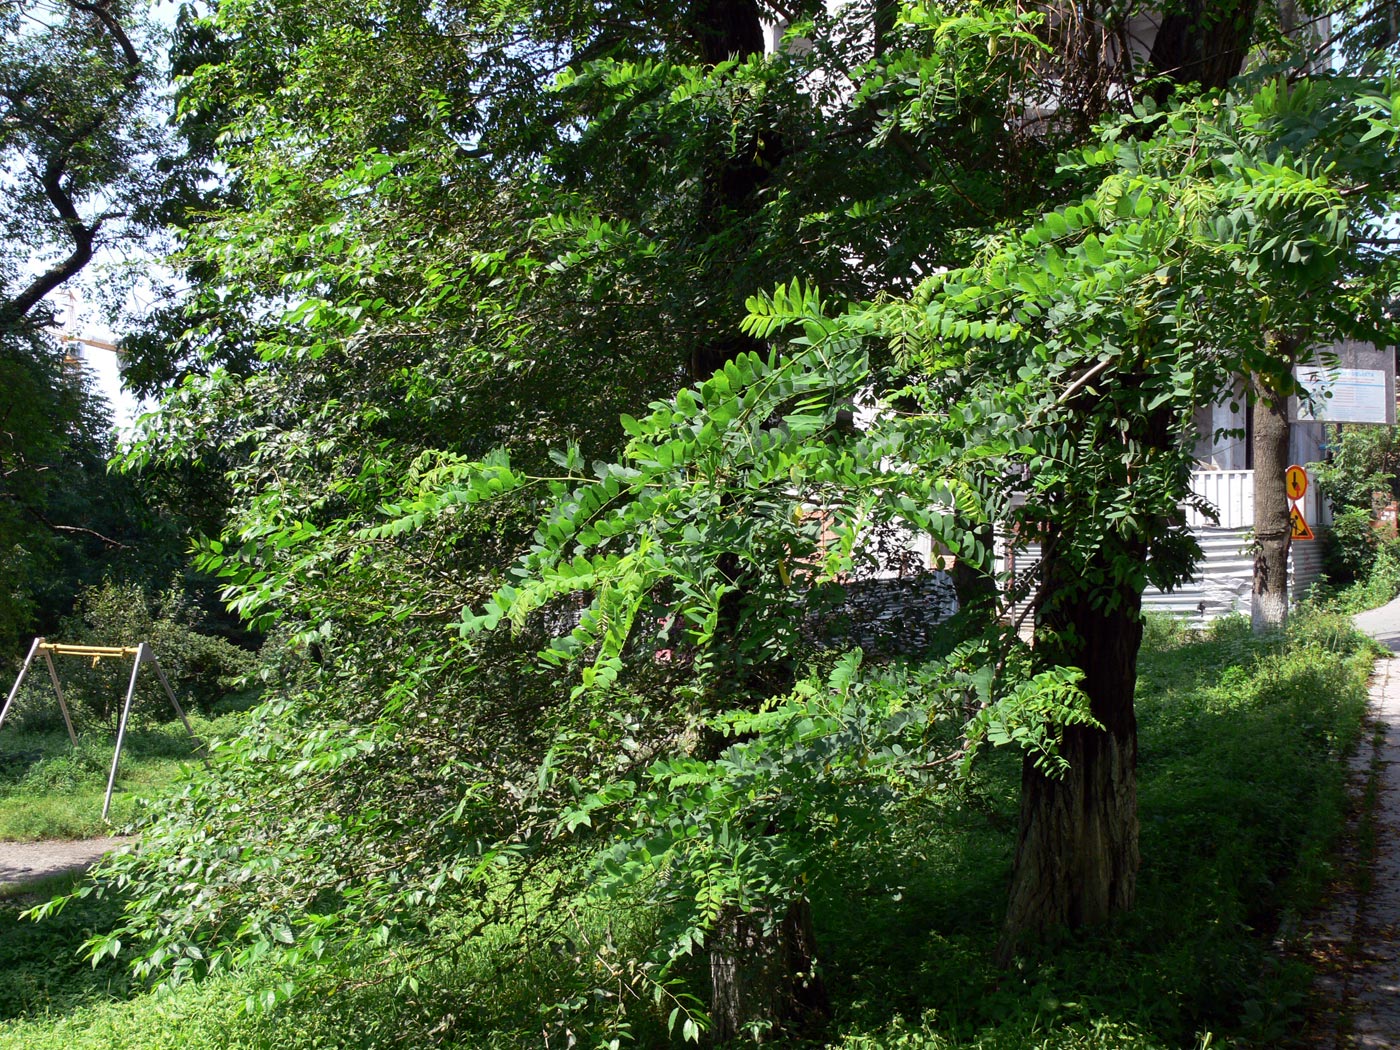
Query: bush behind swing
[(202, 667)]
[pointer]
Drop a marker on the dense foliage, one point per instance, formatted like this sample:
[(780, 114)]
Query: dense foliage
[(65, 521), (535, 666), (1236, 841)]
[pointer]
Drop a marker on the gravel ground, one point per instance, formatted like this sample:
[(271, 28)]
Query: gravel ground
[(29, 861)]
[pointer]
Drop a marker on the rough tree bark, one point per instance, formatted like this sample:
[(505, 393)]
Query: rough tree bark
[(1272, 528), (1077, 851), (763, 973)]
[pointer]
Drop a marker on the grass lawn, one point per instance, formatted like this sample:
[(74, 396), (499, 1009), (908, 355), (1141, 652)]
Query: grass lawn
[(51, 790), (1242, 791)]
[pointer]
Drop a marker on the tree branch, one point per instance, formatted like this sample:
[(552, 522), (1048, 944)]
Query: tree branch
[(1083, 381), (78, 530), (83, 235), (101, 11), (60, 196)]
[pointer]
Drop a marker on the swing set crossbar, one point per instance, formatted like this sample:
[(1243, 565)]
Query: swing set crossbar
[(59, 649)]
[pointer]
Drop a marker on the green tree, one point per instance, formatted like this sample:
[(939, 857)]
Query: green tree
[(66, 521), (558, 229), (79, 136), (442, 275), (1363, 462), (87, 161), (1119, 316)]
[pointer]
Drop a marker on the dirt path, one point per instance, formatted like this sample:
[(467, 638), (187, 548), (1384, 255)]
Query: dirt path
[(29, 861)]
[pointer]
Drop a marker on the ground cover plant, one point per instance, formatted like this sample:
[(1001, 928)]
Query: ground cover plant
[(50, 789), (1242, 791)]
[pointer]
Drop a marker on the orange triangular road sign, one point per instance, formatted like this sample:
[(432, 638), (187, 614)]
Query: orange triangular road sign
[(1298, 524)]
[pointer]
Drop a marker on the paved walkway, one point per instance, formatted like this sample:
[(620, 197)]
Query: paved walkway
[(1382, 624), (1357, 943)]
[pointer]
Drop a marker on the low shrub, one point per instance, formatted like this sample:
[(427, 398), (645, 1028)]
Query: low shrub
[(202, 668), (1350, 546)]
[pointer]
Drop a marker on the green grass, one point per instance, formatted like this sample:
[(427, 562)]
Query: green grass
[(1241, 792), (51, 790), (41, 973)]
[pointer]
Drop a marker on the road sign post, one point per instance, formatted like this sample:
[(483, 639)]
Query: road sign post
[(1295, 483)]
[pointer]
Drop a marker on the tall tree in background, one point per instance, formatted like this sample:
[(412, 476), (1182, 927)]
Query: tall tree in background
[(80, 138), (1120, 317), (1077, 852), (85, 151)]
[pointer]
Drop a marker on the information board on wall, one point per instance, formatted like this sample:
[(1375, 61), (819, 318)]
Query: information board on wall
[(1350, 383)]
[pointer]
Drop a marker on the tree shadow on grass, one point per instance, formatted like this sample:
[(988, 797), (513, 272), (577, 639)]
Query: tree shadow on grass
[(15, 763), (41, 968)]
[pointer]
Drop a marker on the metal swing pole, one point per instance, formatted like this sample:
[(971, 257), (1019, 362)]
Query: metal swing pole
[(160, 673), (121, 728), (58, 691), (24, 670)]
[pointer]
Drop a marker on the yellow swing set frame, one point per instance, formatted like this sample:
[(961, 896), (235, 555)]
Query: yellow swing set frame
[(143, 654)]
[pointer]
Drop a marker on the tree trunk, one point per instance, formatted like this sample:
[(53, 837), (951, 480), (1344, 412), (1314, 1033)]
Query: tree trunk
[(975, 588), (724, 29), (730, 183), (1203, 42), (1077, 853), (1272, 528), (762, 973)]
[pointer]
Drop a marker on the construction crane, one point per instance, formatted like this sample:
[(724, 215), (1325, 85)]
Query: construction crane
[(66, 337), (72, 360)]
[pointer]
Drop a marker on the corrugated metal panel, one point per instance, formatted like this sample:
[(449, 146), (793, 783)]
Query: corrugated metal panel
[(1231, 493), (1222, 584), (1223, 579), (1023, 563), (1305, 562)]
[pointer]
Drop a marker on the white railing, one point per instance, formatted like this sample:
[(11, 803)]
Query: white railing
[(1230, 492)]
